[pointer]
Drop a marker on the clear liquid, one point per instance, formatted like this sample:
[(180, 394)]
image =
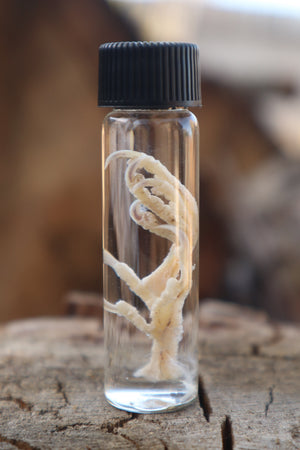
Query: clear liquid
[(128, 351), (171, 139), (145, 397)]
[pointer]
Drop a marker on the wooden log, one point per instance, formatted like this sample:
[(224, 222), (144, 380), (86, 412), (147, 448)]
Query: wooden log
[(51, 388)]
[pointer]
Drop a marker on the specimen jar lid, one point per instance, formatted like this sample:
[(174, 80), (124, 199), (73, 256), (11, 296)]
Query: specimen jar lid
[(149, 75)]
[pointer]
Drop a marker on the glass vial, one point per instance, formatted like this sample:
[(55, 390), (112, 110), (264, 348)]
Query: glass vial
[(150, 173)]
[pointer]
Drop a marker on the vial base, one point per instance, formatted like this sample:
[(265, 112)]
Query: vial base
[(149, 398)]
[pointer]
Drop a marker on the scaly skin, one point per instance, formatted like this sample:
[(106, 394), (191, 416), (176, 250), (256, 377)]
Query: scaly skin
[(160, 198)]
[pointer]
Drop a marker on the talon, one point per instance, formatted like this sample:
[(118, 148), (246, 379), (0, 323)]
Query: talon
[(165, 207)]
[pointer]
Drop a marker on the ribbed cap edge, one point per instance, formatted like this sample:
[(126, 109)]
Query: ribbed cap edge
[(149, 75)]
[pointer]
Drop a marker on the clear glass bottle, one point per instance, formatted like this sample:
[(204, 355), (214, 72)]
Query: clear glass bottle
[(150, 172)]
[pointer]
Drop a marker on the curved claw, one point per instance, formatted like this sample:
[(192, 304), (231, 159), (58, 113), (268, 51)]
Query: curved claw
[(183, 210), (160, 197), (129, 154)]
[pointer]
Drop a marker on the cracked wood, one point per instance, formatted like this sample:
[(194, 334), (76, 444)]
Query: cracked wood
[(51, 388)]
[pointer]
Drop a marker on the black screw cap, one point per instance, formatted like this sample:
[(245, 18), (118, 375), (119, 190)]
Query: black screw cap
[(149, 75)]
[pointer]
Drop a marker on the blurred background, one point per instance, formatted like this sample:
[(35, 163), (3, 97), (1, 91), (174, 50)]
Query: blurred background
[(50, 201)]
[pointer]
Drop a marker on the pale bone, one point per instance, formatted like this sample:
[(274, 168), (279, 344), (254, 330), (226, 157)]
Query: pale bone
[(165, 207)]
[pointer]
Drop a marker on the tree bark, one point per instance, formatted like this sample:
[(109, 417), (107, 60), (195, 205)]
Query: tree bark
[(51, 388)]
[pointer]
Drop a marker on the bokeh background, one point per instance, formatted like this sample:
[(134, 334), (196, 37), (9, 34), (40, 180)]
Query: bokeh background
[(50, 201)]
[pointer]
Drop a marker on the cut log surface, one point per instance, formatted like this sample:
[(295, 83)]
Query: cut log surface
[(51, 388)]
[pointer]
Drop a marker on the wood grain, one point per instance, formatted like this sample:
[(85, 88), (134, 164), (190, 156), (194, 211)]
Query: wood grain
[(51, 388)]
